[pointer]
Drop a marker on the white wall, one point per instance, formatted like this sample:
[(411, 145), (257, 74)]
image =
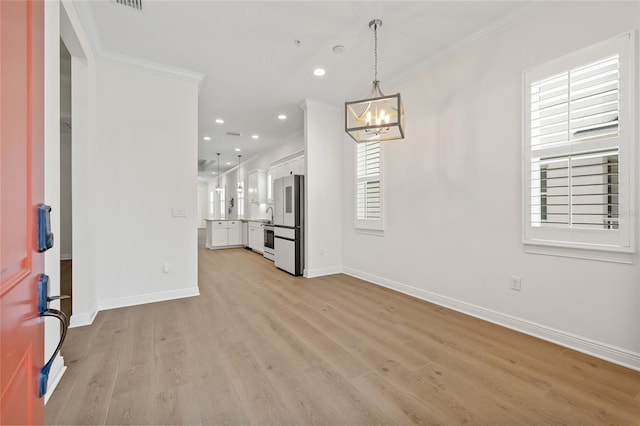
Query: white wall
[(203, 208), (145, 167), (323, 188), (453, 194)]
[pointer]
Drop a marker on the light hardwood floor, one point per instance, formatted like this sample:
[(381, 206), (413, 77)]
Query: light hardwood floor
[(262, 347), (66, 287)]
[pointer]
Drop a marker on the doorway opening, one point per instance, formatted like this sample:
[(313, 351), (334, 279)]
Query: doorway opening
[(66, 246)]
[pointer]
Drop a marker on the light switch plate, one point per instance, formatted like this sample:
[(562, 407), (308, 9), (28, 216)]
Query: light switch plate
[(178, 212)]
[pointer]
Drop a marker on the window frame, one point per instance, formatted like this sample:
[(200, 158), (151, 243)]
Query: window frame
[(369, 226), (618, 240)]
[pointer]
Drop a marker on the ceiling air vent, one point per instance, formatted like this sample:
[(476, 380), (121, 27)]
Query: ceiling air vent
[(234, 134), (135, 4)]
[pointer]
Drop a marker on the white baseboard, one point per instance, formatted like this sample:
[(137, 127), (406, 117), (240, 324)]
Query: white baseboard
[(604, 351), (142, 299), (319, 272), (66, 256), (81, 320), (55, 375)]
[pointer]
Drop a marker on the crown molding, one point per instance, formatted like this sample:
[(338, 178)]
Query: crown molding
[(166, 70), (307, 103), (86, 20), (80, 10), (467, 42)]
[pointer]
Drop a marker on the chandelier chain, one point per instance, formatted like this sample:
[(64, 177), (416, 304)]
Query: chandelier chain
[(375, 52)]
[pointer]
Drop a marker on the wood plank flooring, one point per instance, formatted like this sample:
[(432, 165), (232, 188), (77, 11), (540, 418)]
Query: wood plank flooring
[(261, 347), (66, 287)]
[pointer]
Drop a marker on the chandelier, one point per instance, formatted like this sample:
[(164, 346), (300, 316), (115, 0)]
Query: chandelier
[(378, 117), (240, 189), (218, 187)]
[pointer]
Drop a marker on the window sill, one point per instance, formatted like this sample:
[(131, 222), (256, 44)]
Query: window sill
[(367, 231), (576, 253)]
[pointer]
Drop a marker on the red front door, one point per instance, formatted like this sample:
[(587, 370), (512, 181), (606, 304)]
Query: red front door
[(21, 190)]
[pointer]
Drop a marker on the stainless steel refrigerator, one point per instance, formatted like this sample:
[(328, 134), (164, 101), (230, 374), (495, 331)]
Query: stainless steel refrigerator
[(288, 221)]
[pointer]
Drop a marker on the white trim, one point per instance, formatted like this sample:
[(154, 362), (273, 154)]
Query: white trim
[(369, 231), (468, 42), (299, 153), (575, 253), (604, 351), (304, 105), (166, 70), (57, 371), (121, 302), (81, 320), (623, 239), (320, 272), (82, 19)]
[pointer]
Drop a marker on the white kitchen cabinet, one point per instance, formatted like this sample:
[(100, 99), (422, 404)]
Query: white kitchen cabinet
[(244, 234), (256, 236), (223, 233), (270, 185), (292, 166), (234, 234), (257, 187), (219, 235), (278, 198)]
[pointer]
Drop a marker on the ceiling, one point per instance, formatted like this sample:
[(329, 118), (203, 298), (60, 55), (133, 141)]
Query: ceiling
[(258, 57)]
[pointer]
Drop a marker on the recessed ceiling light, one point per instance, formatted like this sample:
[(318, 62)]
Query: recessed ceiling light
[(255, 136), (207, 138), (237, 150), (213, 173), (319, 72), (282, 117), (219, 121), (228, 163)]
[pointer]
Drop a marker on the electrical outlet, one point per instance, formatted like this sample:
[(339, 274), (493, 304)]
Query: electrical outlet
[(166, 267), (516, 283)]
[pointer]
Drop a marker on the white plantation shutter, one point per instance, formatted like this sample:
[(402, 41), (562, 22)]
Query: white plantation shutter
[(368, 186), (577, 149), (580, 104)]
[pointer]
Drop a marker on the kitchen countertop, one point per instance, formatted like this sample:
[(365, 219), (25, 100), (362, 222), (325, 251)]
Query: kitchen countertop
[(265, 221)]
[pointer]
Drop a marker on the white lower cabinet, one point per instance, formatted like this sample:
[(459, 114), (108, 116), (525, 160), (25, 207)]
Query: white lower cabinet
[(219, 235), (224, 233), (244, 234), (256, 236), (234, 234)]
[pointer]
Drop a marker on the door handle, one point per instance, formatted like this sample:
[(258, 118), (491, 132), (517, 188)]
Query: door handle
[(44, 371), (45, 311)]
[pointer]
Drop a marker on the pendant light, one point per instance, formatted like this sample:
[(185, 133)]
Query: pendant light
[(240, 189), (378, 117), (218, 187)]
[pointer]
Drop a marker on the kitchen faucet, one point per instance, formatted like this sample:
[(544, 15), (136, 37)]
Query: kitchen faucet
[(267, 211)]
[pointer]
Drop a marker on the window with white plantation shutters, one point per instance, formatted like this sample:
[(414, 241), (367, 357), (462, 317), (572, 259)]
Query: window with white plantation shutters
[(578, 149), (368, 186)]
